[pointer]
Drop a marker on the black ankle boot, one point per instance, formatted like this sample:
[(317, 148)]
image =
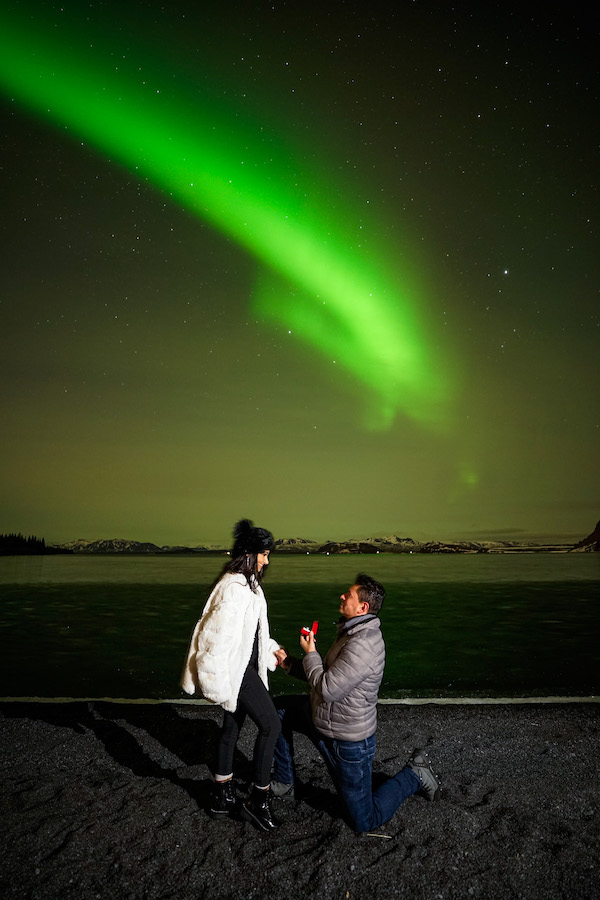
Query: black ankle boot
[(256, 810), (223, 800)]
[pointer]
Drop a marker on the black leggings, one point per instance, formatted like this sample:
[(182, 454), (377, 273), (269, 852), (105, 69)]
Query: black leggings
[(255, 701)]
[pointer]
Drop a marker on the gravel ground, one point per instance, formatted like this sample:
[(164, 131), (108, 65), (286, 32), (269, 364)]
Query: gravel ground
[(108, 800)]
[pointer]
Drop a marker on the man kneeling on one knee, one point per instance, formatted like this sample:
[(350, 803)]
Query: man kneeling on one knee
[(340, 717)]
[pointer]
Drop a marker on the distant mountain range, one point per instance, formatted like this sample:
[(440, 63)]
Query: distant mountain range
[(391, 544), (119, 545)]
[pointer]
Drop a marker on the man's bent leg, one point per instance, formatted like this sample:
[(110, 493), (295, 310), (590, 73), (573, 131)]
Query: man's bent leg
[(351, 765), (295, 715), (392, 794)]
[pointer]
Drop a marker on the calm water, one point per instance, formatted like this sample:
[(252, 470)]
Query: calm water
[(110, 626)]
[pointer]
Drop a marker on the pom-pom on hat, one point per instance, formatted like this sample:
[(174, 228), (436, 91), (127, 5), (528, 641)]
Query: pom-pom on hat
[(248, 539)]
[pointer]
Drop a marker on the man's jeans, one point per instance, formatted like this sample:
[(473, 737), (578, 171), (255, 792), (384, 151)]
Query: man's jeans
[(350, 764)]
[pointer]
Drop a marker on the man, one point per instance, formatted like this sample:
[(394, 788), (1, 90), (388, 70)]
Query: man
[(340, 716)]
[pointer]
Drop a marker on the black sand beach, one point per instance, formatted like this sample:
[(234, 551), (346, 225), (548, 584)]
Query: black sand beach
[(108, 800)]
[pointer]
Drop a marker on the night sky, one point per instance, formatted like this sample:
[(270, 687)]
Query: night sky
[(331, 266)]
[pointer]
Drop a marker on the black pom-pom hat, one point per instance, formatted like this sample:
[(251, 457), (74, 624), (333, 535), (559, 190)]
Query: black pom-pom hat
[(248, 539)]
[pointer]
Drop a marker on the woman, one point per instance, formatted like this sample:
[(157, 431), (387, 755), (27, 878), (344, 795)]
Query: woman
[(227, 662)]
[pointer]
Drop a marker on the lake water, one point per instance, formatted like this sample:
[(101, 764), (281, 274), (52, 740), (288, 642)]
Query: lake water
[(510, 625)]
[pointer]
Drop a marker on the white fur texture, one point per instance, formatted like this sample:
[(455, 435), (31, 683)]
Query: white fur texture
[(222, 642)]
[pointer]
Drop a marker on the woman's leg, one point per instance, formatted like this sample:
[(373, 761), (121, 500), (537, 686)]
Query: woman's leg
[(232, 723), (255, 701), (223, 801)]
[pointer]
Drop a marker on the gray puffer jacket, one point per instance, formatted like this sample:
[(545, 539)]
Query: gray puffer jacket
[(345, 685)]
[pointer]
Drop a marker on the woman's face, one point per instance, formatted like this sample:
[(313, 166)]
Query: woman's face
[(262, 560)]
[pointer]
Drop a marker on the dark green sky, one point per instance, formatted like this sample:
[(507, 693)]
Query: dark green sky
[(387, 322)]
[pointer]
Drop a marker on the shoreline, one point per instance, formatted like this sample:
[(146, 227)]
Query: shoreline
[(368, 546), (444, 548), (107, 799), (382, 701)]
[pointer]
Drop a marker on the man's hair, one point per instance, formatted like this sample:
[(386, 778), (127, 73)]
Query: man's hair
[(371, 592)]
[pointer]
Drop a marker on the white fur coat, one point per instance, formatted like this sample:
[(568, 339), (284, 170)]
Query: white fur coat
[(222, 642)]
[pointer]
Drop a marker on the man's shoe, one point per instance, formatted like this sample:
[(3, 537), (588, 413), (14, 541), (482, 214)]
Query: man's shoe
[(282, 791), (420, 765), (223, 801), (257, 811)]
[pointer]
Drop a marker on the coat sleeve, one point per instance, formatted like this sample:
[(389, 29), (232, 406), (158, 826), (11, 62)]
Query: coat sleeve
[(271, 658), (352, 665)]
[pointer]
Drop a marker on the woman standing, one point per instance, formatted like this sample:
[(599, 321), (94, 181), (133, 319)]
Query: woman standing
[(227, 662)]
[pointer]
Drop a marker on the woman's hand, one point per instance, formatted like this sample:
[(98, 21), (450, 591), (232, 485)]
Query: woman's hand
[(281, 656)]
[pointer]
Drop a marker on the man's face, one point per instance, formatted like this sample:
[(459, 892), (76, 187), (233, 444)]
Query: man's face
[(351, 605)]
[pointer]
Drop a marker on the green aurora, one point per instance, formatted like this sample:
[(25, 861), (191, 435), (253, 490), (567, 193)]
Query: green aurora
[(331, 288)]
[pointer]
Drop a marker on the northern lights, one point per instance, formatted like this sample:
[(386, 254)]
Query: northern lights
[(334, 270), (344, 300)]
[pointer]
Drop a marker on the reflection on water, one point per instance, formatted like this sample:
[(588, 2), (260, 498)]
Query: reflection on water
[(454, 626), (335, 570)]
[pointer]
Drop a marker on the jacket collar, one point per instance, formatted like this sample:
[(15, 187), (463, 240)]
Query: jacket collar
[(345, 625)]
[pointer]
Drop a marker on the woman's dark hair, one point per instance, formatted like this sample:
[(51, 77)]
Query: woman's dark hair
[(245, 565), (371, 592), (248, 543)]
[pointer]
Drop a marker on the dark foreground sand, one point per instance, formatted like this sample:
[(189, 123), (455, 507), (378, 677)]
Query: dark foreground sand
[(103, 800)]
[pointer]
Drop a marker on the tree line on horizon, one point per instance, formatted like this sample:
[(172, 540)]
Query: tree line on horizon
[(18, 545)]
